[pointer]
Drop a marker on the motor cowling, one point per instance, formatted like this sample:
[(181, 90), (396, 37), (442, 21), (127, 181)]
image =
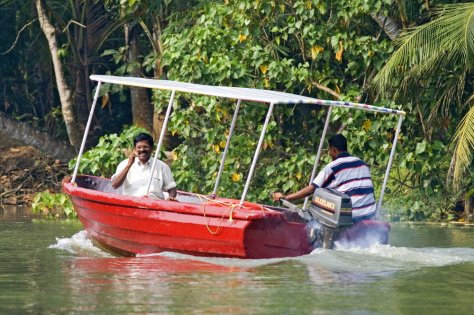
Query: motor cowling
[(332, 214), (331, 208)]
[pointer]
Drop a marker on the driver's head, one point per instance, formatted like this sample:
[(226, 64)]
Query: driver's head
[(337, 145)]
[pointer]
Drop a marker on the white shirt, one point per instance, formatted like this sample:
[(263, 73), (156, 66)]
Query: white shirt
[(136, 181)]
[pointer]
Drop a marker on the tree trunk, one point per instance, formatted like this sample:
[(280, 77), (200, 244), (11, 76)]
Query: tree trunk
[(142, 109), (14, 133), (74, 130), (469, 208), (388, 25), (158, 118)]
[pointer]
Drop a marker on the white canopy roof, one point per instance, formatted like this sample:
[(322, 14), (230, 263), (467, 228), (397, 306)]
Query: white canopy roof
[(245, 94)]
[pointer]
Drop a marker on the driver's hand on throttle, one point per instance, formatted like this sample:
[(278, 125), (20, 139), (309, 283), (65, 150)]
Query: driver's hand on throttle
[(277, 196)]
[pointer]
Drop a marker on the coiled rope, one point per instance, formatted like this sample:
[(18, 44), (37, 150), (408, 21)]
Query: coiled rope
[(231, 206)]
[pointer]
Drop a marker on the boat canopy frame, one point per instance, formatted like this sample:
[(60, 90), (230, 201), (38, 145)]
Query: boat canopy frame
[(240, 94)]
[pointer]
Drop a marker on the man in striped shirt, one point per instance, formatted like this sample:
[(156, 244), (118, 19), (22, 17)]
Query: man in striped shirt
[(346, 174)]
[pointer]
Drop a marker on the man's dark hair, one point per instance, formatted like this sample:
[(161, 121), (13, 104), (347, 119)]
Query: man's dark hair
[(141, 137), (339, 142)]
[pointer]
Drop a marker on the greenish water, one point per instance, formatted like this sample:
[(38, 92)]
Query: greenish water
[(52, 268)]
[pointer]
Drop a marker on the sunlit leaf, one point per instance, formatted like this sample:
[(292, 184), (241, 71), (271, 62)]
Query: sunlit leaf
[(316, 50), (242, 37), (367, 124), (339, 52), (235, 177)]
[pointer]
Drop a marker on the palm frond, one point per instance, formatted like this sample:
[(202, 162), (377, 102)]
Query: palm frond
[(445, 43), (100, 25), (464, 149)]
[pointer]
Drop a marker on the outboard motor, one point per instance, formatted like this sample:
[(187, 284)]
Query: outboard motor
[(333, 210), (330, 220)]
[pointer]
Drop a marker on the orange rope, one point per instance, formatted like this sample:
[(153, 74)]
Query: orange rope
[(232, 206)]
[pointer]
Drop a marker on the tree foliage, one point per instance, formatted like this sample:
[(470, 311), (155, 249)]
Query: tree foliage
[(321, 48), (27, 87), (437, 58), (293, 46)]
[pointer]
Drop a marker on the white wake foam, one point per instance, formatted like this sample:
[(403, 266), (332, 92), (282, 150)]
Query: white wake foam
[(386, 258), (374, 259), (79, 244)]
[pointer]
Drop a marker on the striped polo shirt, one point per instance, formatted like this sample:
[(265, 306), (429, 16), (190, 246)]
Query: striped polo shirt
[(351, 176)]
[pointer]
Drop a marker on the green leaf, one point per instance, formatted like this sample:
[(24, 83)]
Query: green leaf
[(270, 170), (420, 147)]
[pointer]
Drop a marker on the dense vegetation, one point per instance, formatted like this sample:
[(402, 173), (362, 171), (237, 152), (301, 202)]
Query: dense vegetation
[(330, 49)]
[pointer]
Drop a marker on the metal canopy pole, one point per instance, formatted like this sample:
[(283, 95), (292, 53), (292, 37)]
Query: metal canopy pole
[(86, 132), (224, 154), (162, 135), (257, 151), (390, 160), (320, 148)]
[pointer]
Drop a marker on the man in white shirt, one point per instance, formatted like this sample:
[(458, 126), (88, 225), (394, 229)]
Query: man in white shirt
[(134, 173), (346, 174)]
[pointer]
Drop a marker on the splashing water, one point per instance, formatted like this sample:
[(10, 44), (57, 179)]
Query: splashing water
[(79, 244), (346, 258), (385, 258)]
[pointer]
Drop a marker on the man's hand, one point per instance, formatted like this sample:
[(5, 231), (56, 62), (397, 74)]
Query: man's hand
[(277, 196), (131, 157), (172, 194), (117, 180)]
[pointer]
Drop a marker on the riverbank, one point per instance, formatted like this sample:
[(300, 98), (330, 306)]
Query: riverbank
[(25, 171)]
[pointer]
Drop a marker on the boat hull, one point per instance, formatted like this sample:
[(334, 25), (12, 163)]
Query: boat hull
[(195, 225)]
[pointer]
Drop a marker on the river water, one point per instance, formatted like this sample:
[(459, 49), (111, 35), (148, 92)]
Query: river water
[(49, 267)]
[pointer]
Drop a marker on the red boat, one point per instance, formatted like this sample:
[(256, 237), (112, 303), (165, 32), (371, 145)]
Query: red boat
[(206, 225), (196, 224)]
